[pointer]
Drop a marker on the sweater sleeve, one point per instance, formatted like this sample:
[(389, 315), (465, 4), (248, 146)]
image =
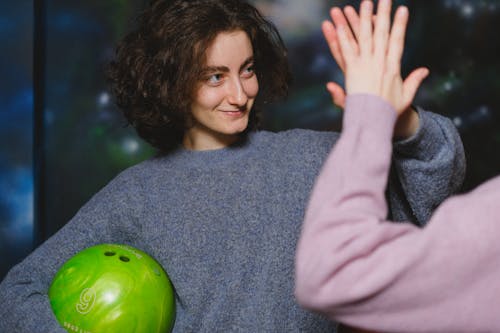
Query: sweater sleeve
[(430, 162), (24, 302), (360, 269)]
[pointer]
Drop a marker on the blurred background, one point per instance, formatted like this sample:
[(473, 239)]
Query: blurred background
[(62, 139)]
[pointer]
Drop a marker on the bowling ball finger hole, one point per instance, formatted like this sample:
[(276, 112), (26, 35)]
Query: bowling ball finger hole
[(109, 253), (124, 259)]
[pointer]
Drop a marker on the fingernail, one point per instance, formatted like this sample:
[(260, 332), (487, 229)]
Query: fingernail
[(367, 4), (403, 10)]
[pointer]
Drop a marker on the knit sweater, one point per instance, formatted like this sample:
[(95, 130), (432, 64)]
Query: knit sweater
[(357, 267), (224, 225)]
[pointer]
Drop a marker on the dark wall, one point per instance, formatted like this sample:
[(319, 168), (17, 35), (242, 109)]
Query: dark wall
[(16, 132)]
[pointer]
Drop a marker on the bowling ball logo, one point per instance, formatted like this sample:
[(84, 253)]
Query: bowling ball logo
[(113, 288), (87, 299)]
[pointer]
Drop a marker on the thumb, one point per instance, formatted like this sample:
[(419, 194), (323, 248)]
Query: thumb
[(413, 82), (337, 93)]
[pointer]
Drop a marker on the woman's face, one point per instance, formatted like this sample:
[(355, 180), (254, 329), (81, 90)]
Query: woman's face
[(225, 94)]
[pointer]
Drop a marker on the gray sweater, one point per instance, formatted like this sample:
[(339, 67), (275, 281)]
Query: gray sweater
[(224, 225)]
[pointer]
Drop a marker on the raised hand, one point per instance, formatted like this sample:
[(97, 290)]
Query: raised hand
[(370, 56)]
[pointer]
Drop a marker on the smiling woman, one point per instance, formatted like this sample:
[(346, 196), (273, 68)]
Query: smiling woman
[(224, 98), (169, 67)]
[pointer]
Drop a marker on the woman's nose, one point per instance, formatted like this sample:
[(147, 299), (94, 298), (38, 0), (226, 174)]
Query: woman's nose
[(236, 93)]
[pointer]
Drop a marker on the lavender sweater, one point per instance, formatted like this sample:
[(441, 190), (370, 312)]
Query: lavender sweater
[(356, 267), (224, 225)]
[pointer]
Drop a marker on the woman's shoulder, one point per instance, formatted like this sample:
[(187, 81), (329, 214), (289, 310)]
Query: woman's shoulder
[(297, 138), (137, 174)]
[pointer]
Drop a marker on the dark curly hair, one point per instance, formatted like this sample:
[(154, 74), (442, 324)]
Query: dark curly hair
[(158, 66)]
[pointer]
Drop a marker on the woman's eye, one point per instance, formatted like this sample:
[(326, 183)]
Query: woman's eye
[(215, 78), (249, 71)]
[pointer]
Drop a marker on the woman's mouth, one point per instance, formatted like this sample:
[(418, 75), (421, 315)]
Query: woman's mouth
[(233, 113)]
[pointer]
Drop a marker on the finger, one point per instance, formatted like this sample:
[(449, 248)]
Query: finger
[(365, 27), (333, 43), (396, 40), (382, 26), (353, 19), (412, 83), (337, 93), (347, 49), (339, 19)]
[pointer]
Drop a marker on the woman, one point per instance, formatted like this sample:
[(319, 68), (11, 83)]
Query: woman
[(221, 205), (353, 264)]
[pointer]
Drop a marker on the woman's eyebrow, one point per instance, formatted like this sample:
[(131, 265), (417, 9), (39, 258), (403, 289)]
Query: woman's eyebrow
[(211, 69), (225, 69)]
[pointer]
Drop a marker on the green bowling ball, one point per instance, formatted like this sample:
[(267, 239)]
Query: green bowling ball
[(113, 288)]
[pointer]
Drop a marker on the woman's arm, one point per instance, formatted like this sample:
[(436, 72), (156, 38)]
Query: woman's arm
[(109, 217), (428, 154), (426, 168)]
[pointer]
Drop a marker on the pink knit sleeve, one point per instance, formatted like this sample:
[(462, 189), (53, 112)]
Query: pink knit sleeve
[(359, 269)]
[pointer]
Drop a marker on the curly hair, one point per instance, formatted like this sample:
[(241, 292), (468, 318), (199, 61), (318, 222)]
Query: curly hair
[(157, 66)]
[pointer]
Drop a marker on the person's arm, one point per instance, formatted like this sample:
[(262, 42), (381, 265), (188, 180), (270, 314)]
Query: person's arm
[(426, 168), (357, 267), (24, 304), (428, 155), (367, 272)]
